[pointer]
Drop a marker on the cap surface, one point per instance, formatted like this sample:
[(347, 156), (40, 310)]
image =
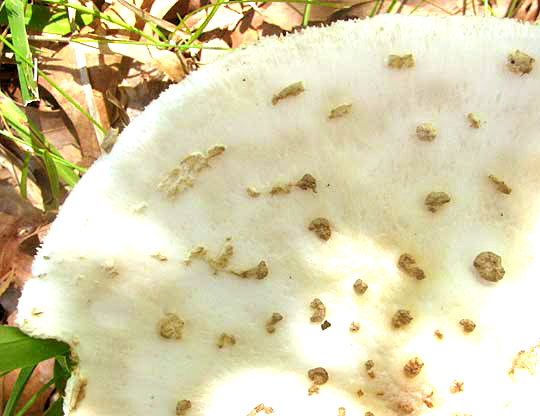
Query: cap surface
[(192, 268)]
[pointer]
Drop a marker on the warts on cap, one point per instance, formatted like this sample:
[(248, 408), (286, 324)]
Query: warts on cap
[(318, 375), (321, 227), (261, 408), (520, 63), (413, 367), (407, 263), (340, 111), (226, 339), (425, 132), (489, 266), (171, 326), (401, 62), (360, 287), (474, 121), (467, 325), (289, 91), (319, 310), (271, 323), (185, 174), (305, 183), (182, 407), (401, 318), (500, 185), (435, 200)]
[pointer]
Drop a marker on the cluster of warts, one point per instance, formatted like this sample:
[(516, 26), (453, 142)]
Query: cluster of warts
[(226, 339), (221, 262), (487, 264), (525, 360), (305, 183), (319, 310), (185, 174), (271, 323), (261, 408), (182, 407)]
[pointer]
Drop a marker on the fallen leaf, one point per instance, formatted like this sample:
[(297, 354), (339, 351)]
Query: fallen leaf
[(84, 77), (528, 11), (210, 55), (19, 221)]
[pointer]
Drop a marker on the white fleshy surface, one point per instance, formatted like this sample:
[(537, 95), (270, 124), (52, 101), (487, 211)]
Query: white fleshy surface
[(373, 176)]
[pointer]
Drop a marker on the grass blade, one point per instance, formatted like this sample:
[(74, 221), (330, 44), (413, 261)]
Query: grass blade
[(18, 388), (18, 350), (307, 13), (24, 176), (56, 408), (52, 174), (15, 13), (33, 138), (34, 397), (55, 86), (210, 16)]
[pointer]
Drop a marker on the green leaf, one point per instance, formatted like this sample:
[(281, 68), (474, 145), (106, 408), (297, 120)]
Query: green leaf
[(61, 373), (30, 134), (52, 174), (19, 350), (17, 26), (18, 388), (55, 409), (43, 19)]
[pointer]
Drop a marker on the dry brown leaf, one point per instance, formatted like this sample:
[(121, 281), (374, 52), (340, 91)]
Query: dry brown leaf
[(19, 221), (528, 10), (243, 36), (280, 14), (85, 82), (225, 18), (58, 130), (142, 84), (210, 55), (160, 8)]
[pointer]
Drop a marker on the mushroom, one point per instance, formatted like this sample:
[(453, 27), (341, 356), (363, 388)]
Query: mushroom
[(233, 260)]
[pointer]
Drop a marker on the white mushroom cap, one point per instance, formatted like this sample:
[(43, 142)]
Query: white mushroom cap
[(155, 239)]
